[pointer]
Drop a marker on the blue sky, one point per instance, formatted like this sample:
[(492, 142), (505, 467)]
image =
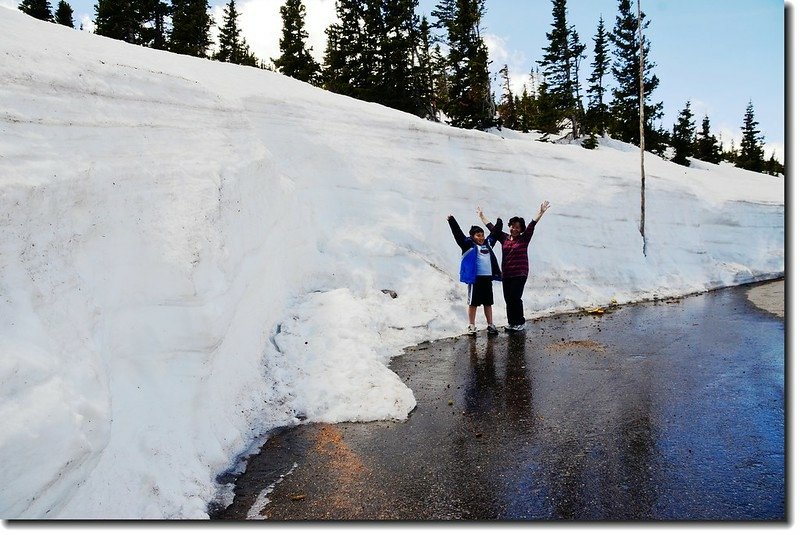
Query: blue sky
[(717, 54)]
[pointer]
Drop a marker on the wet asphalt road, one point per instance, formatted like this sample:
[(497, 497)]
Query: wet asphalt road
[(660, 411)]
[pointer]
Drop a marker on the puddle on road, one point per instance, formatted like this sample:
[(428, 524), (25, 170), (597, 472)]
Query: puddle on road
[(577, 344), (769, 297)]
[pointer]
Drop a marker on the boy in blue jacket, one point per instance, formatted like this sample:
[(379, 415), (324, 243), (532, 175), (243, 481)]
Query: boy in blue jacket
[(479, 268)]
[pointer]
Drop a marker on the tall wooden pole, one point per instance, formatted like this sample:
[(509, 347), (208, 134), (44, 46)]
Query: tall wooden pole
[(641, 118)]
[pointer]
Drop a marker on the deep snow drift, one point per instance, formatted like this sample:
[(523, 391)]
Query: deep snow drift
[(193, 253)]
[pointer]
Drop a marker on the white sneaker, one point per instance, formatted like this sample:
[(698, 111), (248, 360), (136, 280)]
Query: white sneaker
[(471, 330)]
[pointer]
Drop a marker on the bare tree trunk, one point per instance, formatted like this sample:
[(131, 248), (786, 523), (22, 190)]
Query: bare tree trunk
[(641, 119)]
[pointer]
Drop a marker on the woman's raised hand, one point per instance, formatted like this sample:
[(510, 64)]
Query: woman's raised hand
[(542, 209)]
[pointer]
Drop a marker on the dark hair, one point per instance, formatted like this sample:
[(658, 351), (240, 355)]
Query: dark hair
[(516, 219), (474, 230)]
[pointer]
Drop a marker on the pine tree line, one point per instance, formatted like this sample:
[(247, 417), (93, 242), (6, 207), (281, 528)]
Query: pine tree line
[(555, 104), (43, 10), (378, 50), (687, 142), (181, 26), (382, 51)]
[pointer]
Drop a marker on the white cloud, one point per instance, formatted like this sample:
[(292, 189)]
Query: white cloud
[(496, 45), (700, 109), (87, 23), (777, 148), (500, 54), (727, 135)]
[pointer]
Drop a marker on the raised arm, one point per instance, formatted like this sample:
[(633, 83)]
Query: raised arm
[(527, 234), (495, 229), (483, 217), (458, 235), (542, 209)]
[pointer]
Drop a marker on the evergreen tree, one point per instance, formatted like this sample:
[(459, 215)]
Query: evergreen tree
[(441, 82), (625, 104), (683, 139), (352, 63), (731, 154), (773, 167), (426, 71), (597, 112), (471, 104), (751, 148), (229, 35), (507, 109), (334, 65), (370, 54), (295, 59), (526, 110), (63, 14), (560, 64), (547, 118), (40, 9), (445, 15), (140, 22), (576, 49), (117, 19), (401, 83), (377, 51), (151, 15), (591, 141), (706, 146), (233, 47), (342, 72), (191, 27), (527, 105)]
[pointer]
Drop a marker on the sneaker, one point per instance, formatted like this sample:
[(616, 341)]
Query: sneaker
[(515, 328), (471, 330), (491, 330)]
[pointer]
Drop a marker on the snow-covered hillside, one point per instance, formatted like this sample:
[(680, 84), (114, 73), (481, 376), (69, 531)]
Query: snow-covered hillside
[(193, 253)]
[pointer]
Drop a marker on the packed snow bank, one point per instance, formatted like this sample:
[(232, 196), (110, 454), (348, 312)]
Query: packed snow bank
[(193, 253)]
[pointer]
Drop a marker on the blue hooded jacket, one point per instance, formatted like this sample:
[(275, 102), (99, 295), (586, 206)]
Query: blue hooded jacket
[(469, 249)]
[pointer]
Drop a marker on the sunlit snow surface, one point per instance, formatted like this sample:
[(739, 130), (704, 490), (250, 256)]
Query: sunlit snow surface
[(193, 253)]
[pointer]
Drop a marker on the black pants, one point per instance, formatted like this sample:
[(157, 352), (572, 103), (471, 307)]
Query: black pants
[(512, 292)]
